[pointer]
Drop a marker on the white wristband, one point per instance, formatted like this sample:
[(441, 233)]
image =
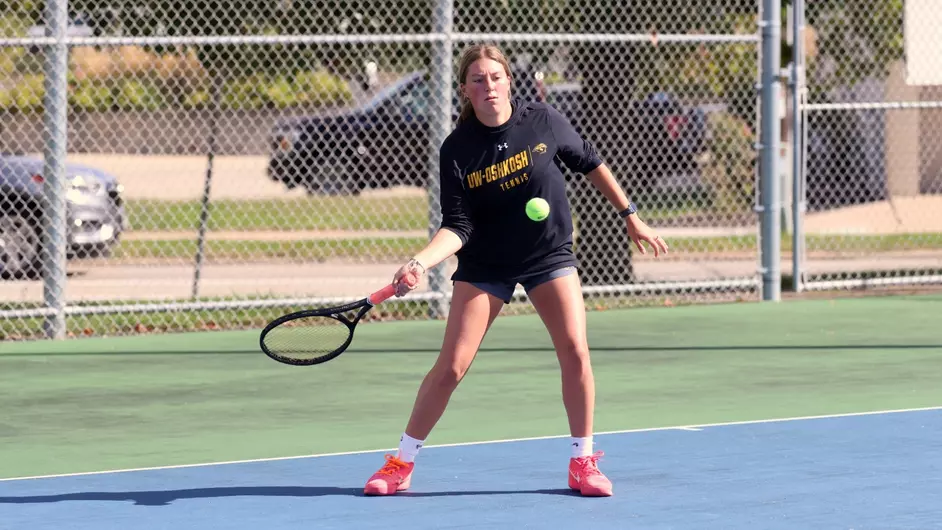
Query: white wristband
[(414, 263)]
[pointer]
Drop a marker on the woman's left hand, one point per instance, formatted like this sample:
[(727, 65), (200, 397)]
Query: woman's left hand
[(638, 231)]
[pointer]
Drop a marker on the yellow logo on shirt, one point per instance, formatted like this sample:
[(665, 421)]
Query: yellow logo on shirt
[(500, 170), (540, 148)]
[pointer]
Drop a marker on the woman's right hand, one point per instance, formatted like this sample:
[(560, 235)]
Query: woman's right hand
[(408, 276)]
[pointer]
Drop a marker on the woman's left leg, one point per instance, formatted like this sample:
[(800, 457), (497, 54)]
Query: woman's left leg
[(560, 306)]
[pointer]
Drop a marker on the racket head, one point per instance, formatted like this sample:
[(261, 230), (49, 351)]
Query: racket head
[(306, 338), (309, 337)]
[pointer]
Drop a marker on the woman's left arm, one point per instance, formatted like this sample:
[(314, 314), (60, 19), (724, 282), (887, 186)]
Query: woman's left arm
[(602, 178), (580, 156)]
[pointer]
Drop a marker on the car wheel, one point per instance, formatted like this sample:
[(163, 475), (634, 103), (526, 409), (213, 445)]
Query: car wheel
[(19, 245)]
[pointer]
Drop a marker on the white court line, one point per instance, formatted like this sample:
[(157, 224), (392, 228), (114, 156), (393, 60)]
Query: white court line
[(466, 444)]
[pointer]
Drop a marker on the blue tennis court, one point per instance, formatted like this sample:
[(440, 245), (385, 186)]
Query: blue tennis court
[(879, 470)]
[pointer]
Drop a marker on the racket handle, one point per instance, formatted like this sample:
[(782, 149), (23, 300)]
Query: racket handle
[(390, 290)]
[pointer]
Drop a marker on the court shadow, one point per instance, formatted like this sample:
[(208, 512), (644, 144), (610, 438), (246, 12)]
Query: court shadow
[(166, 497), (565, 492)]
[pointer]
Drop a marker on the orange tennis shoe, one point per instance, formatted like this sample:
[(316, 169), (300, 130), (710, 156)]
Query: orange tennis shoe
[(585, 477), (395, 475)]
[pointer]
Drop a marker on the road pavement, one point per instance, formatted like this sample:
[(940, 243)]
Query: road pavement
[(97, 280)]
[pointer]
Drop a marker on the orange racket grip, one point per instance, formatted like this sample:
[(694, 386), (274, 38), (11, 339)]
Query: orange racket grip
[(390, 290)]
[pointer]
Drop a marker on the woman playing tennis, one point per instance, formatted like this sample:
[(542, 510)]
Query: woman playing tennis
[(503, 153)]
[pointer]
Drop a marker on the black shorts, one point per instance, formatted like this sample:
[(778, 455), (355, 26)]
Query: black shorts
[(505, 289)]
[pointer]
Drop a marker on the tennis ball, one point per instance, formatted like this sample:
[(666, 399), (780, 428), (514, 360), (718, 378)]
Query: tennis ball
[(538, 209)]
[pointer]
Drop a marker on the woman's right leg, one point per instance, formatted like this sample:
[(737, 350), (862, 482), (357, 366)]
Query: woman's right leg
[(472, 313)]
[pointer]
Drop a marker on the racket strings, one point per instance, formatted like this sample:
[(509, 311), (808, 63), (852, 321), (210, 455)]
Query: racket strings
[(307, 338)]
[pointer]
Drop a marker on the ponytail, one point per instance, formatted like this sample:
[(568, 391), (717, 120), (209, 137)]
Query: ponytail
[(467, 110)]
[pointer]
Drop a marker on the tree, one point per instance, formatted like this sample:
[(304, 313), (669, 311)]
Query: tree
[(856, 40), (859, 39), (192, 18), (614, 77)]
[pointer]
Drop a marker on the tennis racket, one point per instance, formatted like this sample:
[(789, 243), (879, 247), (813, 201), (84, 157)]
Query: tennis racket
[(315, 336)]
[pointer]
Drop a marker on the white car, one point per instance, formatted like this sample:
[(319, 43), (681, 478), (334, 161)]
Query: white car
[(95, 213)]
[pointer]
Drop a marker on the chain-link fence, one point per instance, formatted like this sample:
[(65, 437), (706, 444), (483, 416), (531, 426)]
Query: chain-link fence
[(870, 170), (228, 161)]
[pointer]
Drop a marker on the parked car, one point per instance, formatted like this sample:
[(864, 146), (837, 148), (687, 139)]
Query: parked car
[(667, 136), (382, 143), (95, 214), (78, 25), (385, 142)]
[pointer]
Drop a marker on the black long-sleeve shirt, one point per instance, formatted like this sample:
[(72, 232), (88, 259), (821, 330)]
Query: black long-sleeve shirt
[(487, 176)]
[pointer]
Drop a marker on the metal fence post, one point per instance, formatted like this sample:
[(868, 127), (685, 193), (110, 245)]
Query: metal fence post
[(55, 104), (798, 143), (203, 227), (770, 140), (440, 126)]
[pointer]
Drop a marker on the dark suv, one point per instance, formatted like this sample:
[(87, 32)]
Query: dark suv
[(386, 141), (381, 143)]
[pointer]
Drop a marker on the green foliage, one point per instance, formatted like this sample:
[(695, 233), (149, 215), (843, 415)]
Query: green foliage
[(20, 6), (710, 73), (261, 91), (139, 95), (24, 96), (91, 97), (245, 93), (855, 41), (8, 60), (729, 170), (14, 20), (309, 89), (860, 39), (196, 99)]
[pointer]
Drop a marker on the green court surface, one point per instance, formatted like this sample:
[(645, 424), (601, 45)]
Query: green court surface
[(98, 404)]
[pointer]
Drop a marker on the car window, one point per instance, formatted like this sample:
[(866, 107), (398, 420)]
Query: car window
[(381, 98), (385, 95), (10, 169), (566, 101), (414, 103)]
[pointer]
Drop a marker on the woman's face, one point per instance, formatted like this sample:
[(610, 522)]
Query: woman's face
[(487, 86)]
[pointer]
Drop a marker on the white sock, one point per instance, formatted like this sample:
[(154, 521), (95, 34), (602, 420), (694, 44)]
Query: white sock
[(581, 446), (409, 448)]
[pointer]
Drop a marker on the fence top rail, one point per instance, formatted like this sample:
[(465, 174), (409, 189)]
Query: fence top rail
[(876, 105), (390, 38), (208, 305)]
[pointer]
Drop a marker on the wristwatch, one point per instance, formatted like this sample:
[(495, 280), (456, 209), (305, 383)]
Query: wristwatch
[(629, 210)]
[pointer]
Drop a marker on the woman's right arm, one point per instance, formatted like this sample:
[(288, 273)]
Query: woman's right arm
[(455, 229), (443, 245)]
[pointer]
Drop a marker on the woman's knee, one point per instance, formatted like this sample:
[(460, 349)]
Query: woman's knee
[(574, 356), (449, 374)]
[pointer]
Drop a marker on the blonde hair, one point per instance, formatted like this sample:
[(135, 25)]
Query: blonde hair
[(468, 56)]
